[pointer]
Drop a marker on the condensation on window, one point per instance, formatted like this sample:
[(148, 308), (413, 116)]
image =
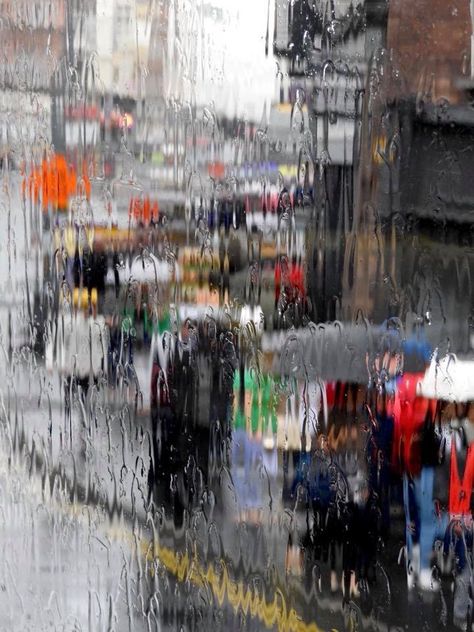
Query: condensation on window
[(236, 315)]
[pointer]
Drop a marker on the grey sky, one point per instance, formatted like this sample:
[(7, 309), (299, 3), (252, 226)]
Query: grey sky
[(223, 45)]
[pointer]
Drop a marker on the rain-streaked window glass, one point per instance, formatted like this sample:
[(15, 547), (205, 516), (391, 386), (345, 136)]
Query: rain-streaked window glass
[(236, 315)]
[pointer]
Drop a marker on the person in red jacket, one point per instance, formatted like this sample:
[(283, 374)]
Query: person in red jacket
[(410, 413), (290, 290), (414, 456), (459, 535)]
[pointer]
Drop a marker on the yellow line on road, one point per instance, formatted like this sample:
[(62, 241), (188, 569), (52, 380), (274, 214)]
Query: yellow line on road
[(272, 614)]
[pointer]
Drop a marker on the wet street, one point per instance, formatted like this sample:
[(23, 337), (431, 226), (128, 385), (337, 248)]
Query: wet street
[(236, 316)]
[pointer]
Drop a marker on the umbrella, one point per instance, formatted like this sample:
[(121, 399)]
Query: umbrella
[(449, 379), (145, 268), (334, 351)]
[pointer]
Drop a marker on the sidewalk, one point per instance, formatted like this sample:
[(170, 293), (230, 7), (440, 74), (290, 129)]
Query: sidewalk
[(62, 566)]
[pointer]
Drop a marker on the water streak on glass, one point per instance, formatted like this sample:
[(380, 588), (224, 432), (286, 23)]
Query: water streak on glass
[(236, 315)]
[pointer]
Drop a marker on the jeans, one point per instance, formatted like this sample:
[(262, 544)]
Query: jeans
[(459, 539), (423, 526), (246, 461)]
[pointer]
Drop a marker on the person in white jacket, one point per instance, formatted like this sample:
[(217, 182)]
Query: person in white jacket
[(81, 346)]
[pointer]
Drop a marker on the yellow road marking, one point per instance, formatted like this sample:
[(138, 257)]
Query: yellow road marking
[(184, 567), (270, 613)]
